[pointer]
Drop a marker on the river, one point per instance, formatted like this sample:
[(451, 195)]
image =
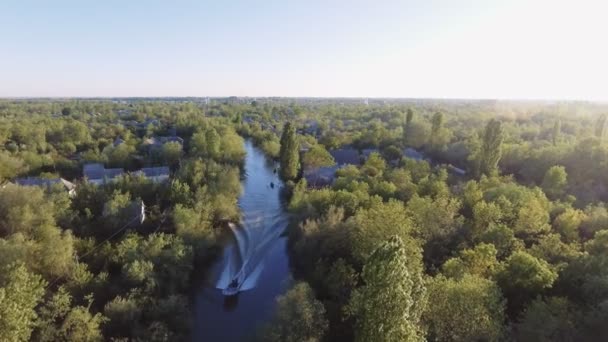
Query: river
[(255, 254)]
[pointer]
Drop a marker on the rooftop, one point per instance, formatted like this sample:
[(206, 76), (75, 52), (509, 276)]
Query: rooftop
[(346, 156)]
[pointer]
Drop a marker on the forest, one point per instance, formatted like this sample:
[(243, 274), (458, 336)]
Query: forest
[(411, 220)]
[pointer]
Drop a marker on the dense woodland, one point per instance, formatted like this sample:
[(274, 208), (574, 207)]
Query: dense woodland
[(513, 246)]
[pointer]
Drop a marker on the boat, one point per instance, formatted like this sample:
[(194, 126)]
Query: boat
[(232, 289)]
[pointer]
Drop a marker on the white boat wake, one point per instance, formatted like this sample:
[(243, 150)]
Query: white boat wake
[(244, 261)]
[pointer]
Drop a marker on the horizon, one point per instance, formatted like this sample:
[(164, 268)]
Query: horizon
[(184, 97), (474, 50)]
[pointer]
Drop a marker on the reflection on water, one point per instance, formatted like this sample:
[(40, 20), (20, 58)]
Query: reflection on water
[(255, 256)]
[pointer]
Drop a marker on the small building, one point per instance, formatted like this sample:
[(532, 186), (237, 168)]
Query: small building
[(366, 152), (118, 142), (321, 177), (346, 156), (47, 183), (155, 174), (158, 142), (456, 170), (304, 146), (413, 154), (97, 174), (311, 127), (132, 215)]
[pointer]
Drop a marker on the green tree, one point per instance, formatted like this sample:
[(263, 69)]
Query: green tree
[(484, 215), (480, 261), (524, 277), (59, 321), (317, 157), (567, 224), (557, 130), (555, 181), (10, 166), (409, 116), (601, 126), (20, 293), (389, 304), (436, 130), (289, 154), (374, 165), (299, 317), (212, 148), (552, 319), (172, 153), (490, 151), (467, 309), (407, 128), (369, 227)]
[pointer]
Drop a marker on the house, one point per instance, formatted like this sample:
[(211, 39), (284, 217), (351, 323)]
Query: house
[(118, 142), (311, 127), (155, 174), (365, 153), (158, 142), (346, 156), (413, 154), (95, 173), (132, 214), (320, 177), (456, 170), (304, 146), (47, 183)]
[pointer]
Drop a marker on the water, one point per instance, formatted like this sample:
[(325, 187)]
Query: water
[(255, 255)]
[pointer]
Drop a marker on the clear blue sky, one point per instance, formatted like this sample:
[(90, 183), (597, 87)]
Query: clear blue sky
[(426, 48)]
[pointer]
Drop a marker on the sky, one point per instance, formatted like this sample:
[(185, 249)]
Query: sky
[(517, 49)]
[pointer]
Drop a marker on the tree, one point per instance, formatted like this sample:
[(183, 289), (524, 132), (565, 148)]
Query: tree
[(484, 215), (374, 165), (10, 166), (407, 129), (213, 141), (289, 154), (369, 227), (467, 309), (20, 293), (171, 153), (317, 157), (551, 319), (524, 277), (299, 317), (557, 129), (567, 224), (490, 150), (389, 305), (555, 181), (480, 261), (59, 321), (436, 128), (409, 116), (601, 126), (66, 111)]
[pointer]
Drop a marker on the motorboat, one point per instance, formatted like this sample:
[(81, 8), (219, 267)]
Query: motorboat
[(232, 289)]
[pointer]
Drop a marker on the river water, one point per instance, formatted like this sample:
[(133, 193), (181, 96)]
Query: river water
[(255, 254)]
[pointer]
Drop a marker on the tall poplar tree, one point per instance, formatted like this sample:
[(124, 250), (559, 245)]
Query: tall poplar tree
[(436, 124), (389, 304), (408, 124), (600, 127), (288, 155), (557, 129), (491, 149)]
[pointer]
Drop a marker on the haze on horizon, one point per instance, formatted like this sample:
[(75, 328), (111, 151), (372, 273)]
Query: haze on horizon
[(474, 49)]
